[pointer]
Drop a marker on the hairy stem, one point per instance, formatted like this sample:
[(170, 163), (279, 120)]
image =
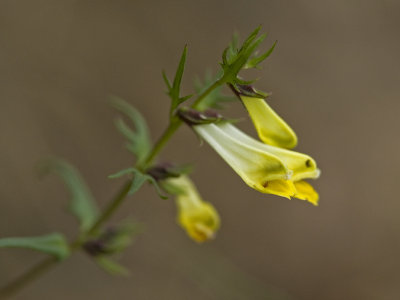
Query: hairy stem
[(45, 265)]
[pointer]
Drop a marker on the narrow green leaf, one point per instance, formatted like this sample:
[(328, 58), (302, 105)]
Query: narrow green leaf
[(174, 90), (121, 173), (82, 204), (139, 142), (251, 37), (166, 80), (179, 72), (111, 266), (54, 244), (254, 62), (183, 99), (138, 180)]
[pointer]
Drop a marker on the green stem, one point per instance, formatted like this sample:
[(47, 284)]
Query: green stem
[(175, 123), (111, 208), (46, 264), (162, 141)]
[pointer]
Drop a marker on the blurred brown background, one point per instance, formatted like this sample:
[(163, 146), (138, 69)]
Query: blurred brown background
[(334, 77)]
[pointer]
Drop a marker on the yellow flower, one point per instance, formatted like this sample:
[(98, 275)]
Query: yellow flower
[(266, 168), (271, 128), (199, 218)]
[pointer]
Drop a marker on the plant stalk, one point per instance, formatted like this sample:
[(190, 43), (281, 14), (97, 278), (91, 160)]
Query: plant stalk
[(46, 264)]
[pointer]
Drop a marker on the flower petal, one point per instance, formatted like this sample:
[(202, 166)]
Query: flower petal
[(284, 188), (305, 191), (271, 128)]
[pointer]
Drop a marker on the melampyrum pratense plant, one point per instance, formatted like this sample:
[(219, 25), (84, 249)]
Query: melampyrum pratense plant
[(266, 165)]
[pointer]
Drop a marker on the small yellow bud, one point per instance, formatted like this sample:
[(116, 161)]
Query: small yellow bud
[(199, 218)]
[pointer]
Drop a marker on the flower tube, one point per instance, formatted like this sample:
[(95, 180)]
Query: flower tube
[(266, 168)]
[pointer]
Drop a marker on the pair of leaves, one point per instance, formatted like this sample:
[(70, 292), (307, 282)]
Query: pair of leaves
[(81, 205), (139, 178), (174, 88), (139, 141), (235, 59), (54, 244)]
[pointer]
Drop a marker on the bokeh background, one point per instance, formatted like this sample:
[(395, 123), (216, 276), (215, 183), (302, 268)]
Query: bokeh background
[(334, 77)]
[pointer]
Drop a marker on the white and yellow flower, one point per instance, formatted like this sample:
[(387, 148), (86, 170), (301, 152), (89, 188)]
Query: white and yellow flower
[(266, 168)]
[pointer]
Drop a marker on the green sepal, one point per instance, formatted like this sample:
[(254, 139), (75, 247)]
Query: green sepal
[(139, 178), (82, 204), (171, 189), (54, 244), (138, 140), (248, 91), (180, 170), (174, 89), (166, 170), (111, 266), (194, 117)]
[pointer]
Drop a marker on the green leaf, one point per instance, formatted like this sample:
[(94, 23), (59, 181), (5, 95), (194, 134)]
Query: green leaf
[(179, 72), (215, 99), (111, 267), (139, 178), (82, 204), (139, 142), (166, 80), (121, 173), (54, 244), (174, 90), (254, 62), (234, 60)]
